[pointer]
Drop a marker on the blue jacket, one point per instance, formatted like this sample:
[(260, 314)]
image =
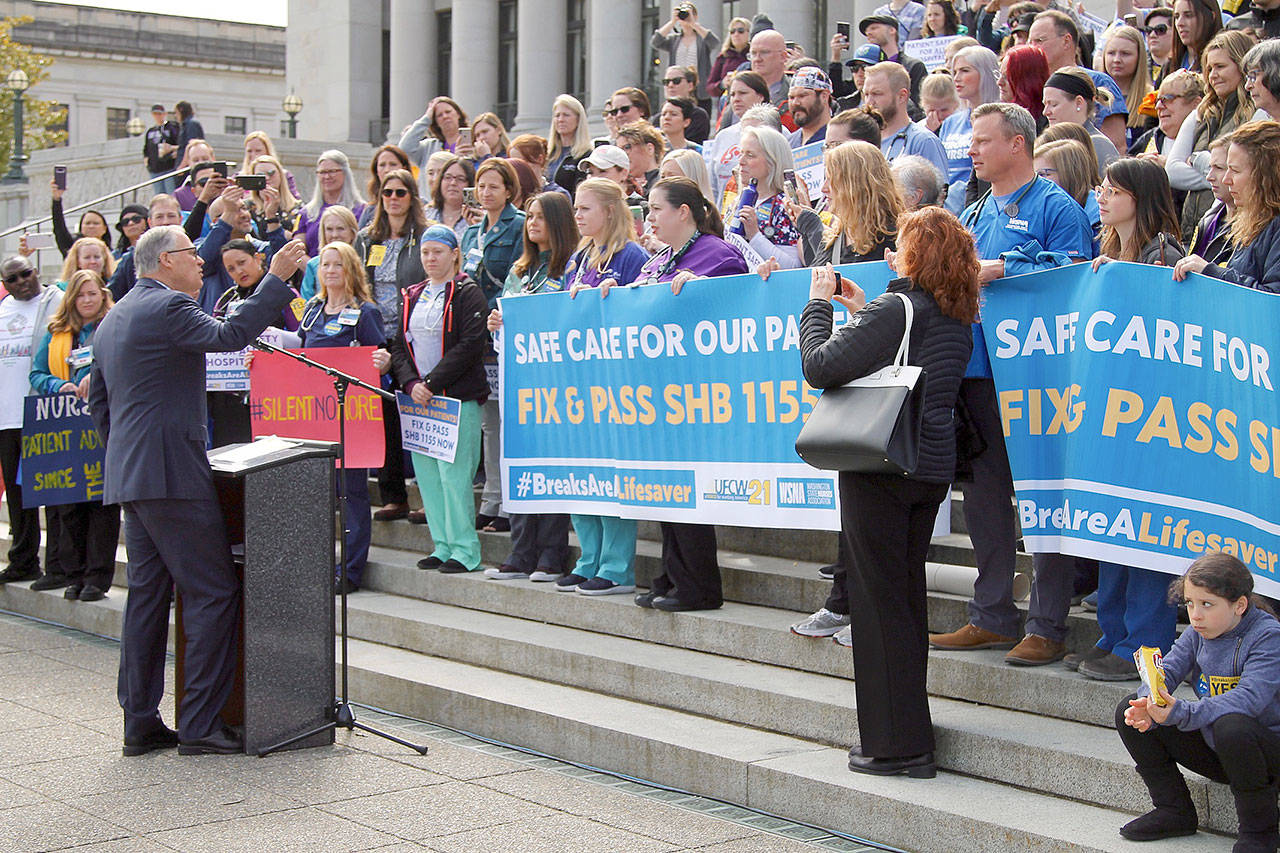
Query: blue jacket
[(1256, 265), (503, 244), (216, 280), (42, 379), (1237, 673), (147, 394)]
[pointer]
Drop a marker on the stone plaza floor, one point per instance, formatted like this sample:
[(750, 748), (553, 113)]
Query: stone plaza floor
[(64, 784)]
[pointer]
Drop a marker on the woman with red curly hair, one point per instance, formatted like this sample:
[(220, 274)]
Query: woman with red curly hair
[(887, 519), (1023, 72)]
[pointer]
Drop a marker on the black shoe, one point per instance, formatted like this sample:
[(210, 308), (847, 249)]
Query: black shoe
[(50, 582), (917, 766), (498, 525), (345, 585), (11, 575), (1160, 823), (72, 592), (92, 593), (483, 519), (452, 567), (224, 741), (828, 572), (671, 604), (162, 738), (645, 599), (429, 563)]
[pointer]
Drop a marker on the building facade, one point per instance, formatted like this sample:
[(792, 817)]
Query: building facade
[(112, 65)]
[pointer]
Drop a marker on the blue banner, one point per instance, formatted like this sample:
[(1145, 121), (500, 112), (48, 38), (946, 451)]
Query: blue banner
[(650, 405), (1140, 414), (62, 455)]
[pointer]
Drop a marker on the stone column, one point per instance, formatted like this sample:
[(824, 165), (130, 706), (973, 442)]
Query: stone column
[(794, 19), (474, 68), (413, 69), (613, 58), (541, 61)]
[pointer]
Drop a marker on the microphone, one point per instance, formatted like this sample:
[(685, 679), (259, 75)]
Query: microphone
[(747, 199)]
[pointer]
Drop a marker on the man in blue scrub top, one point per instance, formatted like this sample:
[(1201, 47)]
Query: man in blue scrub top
[(1022, 210), (887, 88)]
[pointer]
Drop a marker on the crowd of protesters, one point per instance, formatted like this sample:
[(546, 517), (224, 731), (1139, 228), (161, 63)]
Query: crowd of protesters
[(1036, 144)]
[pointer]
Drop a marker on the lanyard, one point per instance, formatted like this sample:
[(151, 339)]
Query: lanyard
[(671, 262)]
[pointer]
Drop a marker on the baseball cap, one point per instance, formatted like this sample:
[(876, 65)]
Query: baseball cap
[(608, 156), (867, 54)]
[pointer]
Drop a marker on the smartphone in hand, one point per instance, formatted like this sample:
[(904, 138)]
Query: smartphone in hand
[(60, 177)]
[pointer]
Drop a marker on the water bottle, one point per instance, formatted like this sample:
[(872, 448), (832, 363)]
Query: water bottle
[(747, 199)]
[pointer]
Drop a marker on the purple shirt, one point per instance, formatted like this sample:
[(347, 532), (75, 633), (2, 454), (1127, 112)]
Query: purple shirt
[(709, 256), (624, 267), (311, 227)]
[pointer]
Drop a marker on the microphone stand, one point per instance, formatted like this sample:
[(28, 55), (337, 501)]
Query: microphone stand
[(343, 716)]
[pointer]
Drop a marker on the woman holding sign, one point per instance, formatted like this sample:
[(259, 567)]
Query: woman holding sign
[(344, 315), (87, 544), (439, 349)]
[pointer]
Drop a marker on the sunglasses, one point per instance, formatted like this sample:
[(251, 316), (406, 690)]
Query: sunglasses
[(1156, 29), (620, 110), (737, 30), (16, 277), (671, 81), (394, 192), (131, 220)]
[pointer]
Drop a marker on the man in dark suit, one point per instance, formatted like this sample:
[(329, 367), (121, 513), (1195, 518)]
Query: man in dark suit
[(147, 396)]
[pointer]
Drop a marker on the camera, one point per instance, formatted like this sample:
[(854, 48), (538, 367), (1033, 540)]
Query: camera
[(682, 13), (251, 182)]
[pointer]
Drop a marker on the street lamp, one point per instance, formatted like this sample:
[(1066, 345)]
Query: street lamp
[(134, 126), (292, 105), (18, 82)]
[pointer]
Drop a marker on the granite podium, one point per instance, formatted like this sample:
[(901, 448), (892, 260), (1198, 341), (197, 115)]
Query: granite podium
[(278, 504)]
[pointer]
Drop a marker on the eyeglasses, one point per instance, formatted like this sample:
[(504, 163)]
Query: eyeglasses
[(832, 143), (14, 278), (202, 182), (131, 220), (394, 192), (323, 172), (671, 81), (1106, 191), (1156, 30), (760, 54), (1251, 77), (1165, 100), (191, 249), (454, 179)]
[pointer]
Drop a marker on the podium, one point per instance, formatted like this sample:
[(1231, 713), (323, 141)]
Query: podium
[(278, 505)]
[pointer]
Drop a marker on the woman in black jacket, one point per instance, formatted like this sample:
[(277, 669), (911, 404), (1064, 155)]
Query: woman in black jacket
[(439, 350), (886, 519)]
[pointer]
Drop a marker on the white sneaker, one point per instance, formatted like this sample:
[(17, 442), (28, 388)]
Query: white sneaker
[(545, 577), (505, 573), (844, 637), (824, 623)]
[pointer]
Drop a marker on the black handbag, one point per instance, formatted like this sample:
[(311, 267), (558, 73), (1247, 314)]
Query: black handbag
[(872, 424)]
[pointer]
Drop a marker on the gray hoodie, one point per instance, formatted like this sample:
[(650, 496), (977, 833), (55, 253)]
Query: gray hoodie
[(1237, 673)]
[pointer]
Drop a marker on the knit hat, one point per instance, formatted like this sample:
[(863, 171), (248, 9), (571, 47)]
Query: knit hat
[(139, 209)]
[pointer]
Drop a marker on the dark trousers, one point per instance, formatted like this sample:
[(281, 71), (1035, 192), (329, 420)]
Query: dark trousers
[(888, 521), (838, 599), (1245, 755), (182, 542), (359, 522), (988, 513), (87, 544), (690, 571), (24, 524), (391, 474), (539, 542)]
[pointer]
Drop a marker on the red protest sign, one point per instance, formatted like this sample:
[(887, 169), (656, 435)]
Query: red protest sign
[(291, 400)]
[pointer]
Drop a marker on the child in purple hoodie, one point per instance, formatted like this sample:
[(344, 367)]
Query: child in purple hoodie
[(1232, 733)]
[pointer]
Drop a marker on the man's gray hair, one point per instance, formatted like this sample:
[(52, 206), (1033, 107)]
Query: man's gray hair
[(152, 244), (763, 115), (1017, 122), (913, 172)]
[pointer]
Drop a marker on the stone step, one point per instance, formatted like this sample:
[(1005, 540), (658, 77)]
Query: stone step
[(1012, 747)]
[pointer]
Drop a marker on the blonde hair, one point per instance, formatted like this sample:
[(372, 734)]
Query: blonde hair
[(266, 141), (939, 85), (71, 264), (692, 166), (1140, 85), (67, 318), (581, 136), (1074, 164), (728, 37), (337, 211), (1100, 96), (493, 121), (287, 200), (617, 234), (352, 272), (864, 196), (1236, 44)]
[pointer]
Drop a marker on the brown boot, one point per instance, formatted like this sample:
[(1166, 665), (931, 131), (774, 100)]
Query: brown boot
[(970, 637), (392, 512), (1035, 650)]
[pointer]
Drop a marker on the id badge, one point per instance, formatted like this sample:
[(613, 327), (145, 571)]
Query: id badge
[(377, 254), (349, 316), (474, 257), (81, 357)]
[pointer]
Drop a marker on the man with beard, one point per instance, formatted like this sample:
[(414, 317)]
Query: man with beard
[(810, 101), (888, 90)]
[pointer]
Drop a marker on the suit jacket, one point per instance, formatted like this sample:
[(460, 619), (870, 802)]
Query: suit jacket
[(147, 394)]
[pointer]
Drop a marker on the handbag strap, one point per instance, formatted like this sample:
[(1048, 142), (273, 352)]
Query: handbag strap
[(900, 360)]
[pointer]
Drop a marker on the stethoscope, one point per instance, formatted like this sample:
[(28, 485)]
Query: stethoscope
[(1010, 209), (900, 136)]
